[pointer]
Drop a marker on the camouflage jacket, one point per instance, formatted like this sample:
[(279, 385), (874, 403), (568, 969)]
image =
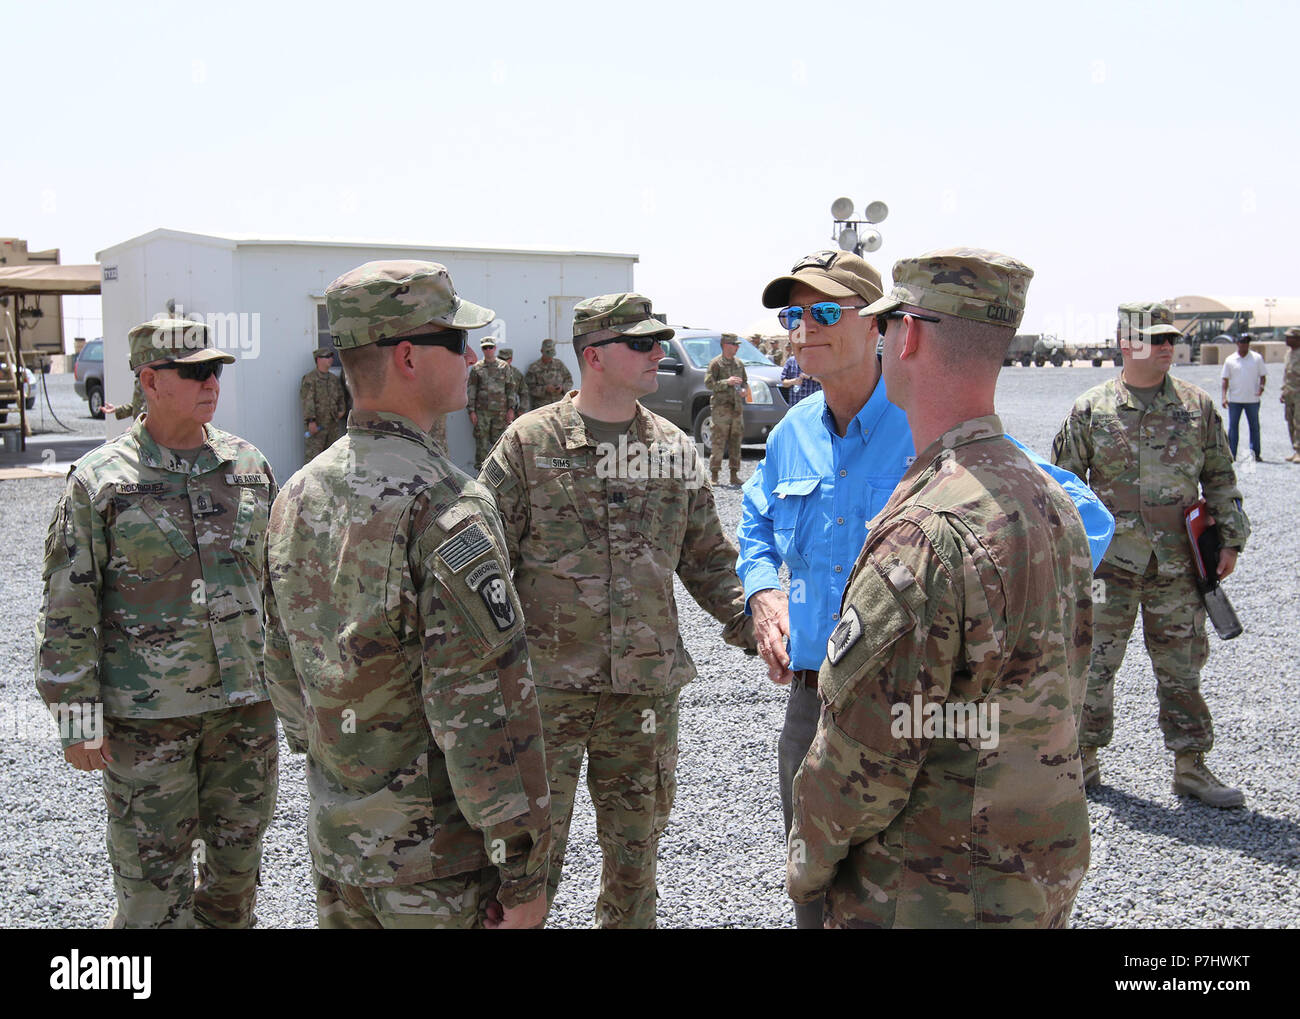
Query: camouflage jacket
[(1291, 374), (396, 659), (547, 382), (152, 576), (970, 594), (321, 396), (1148, 466), (726, 396), (522, 402), (491, 388), (133, 409), (596, 538)]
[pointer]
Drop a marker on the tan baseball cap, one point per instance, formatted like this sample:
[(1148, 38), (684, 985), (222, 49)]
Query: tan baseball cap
[(837, 274)]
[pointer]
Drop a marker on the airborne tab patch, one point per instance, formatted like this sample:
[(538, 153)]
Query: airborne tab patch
[(464, 548), (844, 636), (486, 579)]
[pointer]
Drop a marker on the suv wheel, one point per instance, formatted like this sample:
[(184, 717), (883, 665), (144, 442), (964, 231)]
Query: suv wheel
[(95, 398), (704, 428)]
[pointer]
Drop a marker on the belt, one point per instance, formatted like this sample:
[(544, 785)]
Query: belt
[(808, 677)]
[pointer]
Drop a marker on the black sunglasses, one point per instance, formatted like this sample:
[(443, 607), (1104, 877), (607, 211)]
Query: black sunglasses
[(200, 372), (641, 344), (1159, 340), (455, 340), (883, 318)]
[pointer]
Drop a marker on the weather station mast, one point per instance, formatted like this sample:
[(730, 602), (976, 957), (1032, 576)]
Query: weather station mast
[(849, 233)]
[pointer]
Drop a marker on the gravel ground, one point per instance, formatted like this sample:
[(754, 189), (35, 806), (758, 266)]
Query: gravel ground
[(1157, 861)]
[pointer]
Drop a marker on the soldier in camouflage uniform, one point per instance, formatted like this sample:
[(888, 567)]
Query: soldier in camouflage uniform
[(522, 403), (1149, 445), (969, 599), (726, 380), (323, 405), (395, 655), (128, 410), (596, 541), (547, 379), (152, 613), (492, 399), (1291, 392)]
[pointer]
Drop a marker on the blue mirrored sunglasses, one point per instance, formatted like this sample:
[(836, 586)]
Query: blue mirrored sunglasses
[(825, 313)]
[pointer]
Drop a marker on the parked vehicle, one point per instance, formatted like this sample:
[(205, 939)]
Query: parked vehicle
[(29, 392), (88, 376), (683, 398)]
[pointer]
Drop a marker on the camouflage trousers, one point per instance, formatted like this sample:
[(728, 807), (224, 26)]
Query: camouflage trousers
[(728, 430), (183, 793), (1173, 620), (456, 902), (321, 441), (1293, 420), (486, 433), (631, 746)]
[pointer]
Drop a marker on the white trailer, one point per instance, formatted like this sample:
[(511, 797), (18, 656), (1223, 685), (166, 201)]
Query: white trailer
[(265, 300)]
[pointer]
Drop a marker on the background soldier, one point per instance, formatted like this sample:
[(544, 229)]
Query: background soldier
[(726, 380), (152, 613), (396, 655), (1149, 444), (548, 379), (128, 410), (323, 404), (595, 549), (969, 593), (1291, 392), (491, 400), (522, 404)]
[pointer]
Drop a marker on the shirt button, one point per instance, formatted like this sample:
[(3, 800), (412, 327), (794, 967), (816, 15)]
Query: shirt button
[(839, 569), (839, 520), (843, 473), (835, 615)]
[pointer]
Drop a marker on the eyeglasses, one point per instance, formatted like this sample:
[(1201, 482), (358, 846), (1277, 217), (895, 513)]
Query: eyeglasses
[(194, 372), (1159, 340), (455, 340), (882, 320), (826, 313), (641, 344)]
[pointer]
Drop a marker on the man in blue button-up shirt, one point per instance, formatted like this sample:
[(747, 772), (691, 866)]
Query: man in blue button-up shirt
[(831, 465)]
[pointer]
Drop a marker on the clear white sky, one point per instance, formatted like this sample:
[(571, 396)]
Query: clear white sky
[(1123, 150)]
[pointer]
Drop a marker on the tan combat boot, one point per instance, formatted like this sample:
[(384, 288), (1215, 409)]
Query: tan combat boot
[(1091, 769), (1193, 778), (735, 478), (714, 475)]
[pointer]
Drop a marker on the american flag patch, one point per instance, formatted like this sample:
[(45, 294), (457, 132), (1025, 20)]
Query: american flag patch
[(468, 545)]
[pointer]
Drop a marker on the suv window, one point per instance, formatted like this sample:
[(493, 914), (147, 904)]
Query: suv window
[(93, 351), (703, 349)]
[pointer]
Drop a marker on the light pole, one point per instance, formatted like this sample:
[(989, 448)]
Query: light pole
[(846, 230)]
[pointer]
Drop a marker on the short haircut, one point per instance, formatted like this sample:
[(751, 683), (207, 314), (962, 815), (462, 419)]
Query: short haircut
[(366, 368), (967, 343)]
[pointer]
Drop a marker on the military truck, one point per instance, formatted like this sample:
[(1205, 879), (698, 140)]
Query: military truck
[(1043, 348)]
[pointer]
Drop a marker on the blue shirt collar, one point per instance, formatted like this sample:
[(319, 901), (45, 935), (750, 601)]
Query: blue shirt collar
[(866, 420)]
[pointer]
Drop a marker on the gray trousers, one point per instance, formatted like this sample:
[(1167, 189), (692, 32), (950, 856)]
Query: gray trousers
[(801, 714)]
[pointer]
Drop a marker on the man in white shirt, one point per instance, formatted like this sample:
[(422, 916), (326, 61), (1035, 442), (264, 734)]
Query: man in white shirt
[(1243, 385)]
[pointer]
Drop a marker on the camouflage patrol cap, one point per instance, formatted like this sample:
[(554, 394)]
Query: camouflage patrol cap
[(165, 338), (837, 274), (1146, 318), (970, 283), (378, 300), (323, 351), (548, 346), (629, 314), (488, 341), (730, 338), (506, 353)]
